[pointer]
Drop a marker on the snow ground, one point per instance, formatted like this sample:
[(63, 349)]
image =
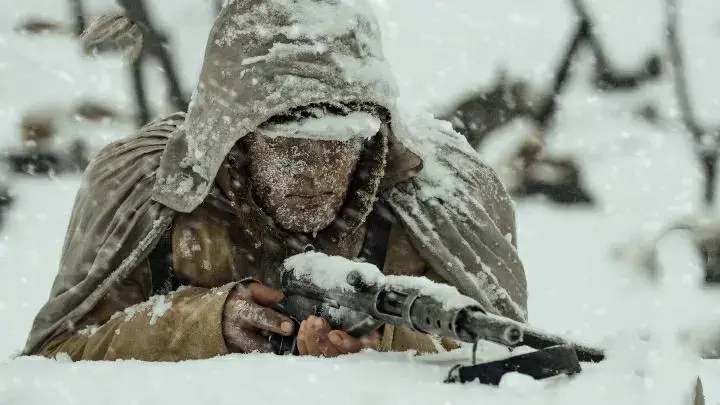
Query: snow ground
[(643, 177)]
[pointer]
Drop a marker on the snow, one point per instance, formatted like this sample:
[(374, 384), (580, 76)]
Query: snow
[(645, 177), (328, 127), (156, 307), (331, 273), (305, 20)]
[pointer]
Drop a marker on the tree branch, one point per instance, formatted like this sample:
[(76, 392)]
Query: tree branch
[(78, 12), (606, 76), (677, 60), (544, 114), (155, 46)]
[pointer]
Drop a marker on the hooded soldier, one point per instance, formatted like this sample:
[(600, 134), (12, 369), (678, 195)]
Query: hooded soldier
[(292, 141)]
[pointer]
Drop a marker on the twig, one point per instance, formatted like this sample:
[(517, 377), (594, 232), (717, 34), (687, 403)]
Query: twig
[(544, 114), (606, 76), (143, 110), (78, 13), (155, 46), (705, 140), (682, 94)]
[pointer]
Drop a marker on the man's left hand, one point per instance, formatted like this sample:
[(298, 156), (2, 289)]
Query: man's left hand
[(316, 338)]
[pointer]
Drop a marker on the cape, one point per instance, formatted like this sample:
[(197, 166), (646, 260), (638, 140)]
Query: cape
[(264, 58)]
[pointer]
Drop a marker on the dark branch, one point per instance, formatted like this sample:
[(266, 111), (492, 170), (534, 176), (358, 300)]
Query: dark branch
[(706, 140), (143, 110), (548, 107), (78, 12), (155, 45), (606, 76), (682, 94)]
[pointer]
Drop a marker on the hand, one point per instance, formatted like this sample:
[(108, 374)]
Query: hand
[(316, 338), (248, 313)]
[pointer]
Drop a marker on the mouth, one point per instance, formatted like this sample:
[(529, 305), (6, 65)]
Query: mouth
[(310, 200), (321, 194)]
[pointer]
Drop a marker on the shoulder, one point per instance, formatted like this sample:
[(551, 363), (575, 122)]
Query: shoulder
[(139, 152), (151, 137), (126, 168), (451, 168)]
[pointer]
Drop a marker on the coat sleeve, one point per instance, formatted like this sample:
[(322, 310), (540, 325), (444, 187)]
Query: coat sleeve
[(128, 324)]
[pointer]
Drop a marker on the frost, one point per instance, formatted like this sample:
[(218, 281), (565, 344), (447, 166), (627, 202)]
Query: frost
[(330, 272), (63, 357), (89, 330), (160, 305), (448, 295), (281, 50), (155, 307), (206, 265), (448, 159), (327, 127), (306, 20), (186, 243), (448, 201)]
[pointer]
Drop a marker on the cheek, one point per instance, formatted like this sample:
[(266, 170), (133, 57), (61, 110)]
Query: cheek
[(268, 179), (347, 163)]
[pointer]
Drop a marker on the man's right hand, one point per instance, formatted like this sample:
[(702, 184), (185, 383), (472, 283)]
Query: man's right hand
[(247, 312)]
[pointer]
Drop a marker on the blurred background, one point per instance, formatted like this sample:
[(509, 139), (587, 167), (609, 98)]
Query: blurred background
[(602, 118)]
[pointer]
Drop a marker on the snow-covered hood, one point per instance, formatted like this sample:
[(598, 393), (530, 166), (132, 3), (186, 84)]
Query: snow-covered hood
[(262, 59)]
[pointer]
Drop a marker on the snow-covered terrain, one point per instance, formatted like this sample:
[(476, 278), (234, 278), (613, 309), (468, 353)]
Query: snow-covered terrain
[(643, 177)]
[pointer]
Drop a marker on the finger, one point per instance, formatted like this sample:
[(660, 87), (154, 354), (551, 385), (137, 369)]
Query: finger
[(263, 318), (317, 341), (251, 343), (301, 338), (264, 295), (344, 342), (311, 336), (371, 340)]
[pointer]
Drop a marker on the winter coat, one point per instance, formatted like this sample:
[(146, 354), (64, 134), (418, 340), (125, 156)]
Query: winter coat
[(454, 221)]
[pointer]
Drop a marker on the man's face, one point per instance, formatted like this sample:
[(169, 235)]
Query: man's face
[(301, 183)]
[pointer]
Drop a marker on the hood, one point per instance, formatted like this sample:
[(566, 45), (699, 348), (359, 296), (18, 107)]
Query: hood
[(262, 59)]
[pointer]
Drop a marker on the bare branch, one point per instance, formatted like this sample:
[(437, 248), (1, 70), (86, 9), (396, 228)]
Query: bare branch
[(607, 77), (679, 78), (546, 111), (78, 12), (155, 45)]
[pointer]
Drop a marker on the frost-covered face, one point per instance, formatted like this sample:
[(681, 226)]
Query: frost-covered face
[(301, 183)]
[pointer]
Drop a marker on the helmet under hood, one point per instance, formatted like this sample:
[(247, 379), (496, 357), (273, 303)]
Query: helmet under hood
[(263, 59)]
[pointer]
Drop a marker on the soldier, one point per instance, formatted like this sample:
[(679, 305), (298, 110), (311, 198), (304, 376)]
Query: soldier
[(292, 141)]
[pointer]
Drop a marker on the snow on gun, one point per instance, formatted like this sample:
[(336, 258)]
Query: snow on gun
[(357, 298)]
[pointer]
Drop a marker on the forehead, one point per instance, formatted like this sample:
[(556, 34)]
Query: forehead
[(281, 143)]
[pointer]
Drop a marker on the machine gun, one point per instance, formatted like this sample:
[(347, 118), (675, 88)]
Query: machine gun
[(357, 298)]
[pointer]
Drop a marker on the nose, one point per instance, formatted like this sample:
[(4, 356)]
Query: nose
[(308, 180)]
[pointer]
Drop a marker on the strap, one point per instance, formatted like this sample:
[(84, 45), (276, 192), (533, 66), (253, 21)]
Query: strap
[(541, 364), (377, 235), (162, 272)]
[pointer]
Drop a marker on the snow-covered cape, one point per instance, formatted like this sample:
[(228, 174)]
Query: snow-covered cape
[(263, 58)]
